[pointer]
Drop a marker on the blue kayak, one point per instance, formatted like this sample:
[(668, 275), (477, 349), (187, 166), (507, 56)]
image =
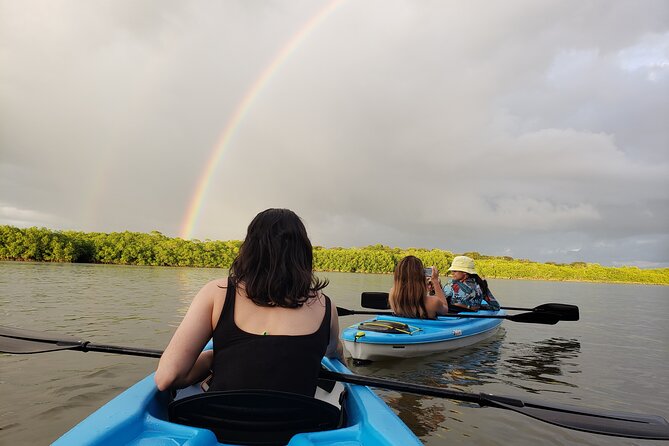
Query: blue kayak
[(139, 416), (390, 337)]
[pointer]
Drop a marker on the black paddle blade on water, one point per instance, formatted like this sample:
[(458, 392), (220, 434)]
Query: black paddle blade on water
[(375, 300), (20, 341), (532, 317), (619, 424), (566, 312)]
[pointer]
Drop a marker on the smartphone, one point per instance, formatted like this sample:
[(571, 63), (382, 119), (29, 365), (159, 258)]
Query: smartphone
[(428, 272)]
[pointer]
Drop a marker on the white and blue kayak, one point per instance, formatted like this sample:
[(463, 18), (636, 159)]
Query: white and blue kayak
[(140, 416), (391, 337)]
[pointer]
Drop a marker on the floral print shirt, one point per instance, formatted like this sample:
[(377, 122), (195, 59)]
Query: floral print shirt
[(469, 294)]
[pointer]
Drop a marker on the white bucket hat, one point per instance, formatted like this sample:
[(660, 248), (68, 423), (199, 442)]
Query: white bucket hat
[(464, 264)]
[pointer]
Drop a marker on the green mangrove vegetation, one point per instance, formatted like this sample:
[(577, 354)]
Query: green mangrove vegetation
[(156, 249)]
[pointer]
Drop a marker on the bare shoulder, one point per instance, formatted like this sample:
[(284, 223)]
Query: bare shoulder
[(214, 287), (219, 283), (432, 302)]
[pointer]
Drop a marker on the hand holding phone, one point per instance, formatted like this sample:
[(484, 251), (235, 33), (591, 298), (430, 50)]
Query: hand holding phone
[(428, 272)]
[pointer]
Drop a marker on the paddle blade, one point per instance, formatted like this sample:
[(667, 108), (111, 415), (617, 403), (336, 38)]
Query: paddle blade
[(618, 424), (533, 317), (20, 346), (566, 312), (19, 341), (345, 311), (375, 300)]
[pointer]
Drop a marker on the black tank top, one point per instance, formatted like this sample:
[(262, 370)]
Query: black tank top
[(271, 362)]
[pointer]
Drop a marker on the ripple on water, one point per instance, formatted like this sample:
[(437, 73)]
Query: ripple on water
[(79, 400)]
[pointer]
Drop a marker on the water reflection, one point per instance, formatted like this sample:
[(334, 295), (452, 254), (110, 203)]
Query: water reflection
[(541, 362), (459, 369), (473, 365), (493, 361), (418, 412)]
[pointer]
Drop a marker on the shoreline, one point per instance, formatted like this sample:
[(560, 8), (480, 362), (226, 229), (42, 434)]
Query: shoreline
[(536, 279)]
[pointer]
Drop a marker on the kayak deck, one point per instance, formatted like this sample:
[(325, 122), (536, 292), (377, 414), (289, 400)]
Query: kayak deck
[(138, 416)]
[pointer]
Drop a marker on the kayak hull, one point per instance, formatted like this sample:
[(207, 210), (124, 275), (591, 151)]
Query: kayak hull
[(138, 416), (425, 336)]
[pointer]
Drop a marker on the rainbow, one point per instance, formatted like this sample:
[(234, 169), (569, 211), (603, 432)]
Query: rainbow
[(241, 111)]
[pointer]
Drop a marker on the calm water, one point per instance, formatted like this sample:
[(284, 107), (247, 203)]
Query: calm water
[(616, 357)]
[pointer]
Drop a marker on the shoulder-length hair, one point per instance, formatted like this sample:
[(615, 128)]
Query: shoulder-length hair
[(409, 288), (275, 261)]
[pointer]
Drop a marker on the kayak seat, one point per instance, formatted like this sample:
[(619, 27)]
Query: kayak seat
[(255, 417)]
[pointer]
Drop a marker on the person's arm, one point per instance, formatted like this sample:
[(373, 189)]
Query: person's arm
[(436, 306), (201, 369), (439, 291), (491, 302), (183, 361), (391, 300), (335, 348)]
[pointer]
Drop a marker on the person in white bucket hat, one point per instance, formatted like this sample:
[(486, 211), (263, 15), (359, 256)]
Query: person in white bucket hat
[(466, 290)]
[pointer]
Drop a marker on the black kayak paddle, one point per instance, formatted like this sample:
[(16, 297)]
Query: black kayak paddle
[(530, 317), (619, 424), (565, 312)]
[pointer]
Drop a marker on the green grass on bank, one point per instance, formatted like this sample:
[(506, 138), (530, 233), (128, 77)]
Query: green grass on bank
[(155, 249)]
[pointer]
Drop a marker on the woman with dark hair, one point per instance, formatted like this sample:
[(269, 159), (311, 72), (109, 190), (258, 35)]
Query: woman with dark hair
[(410, 295), (269, 320), (466, 290)]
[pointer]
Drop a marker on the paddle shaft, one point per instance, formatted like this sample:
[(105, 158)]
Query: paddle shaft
[(378, 300), (529, 317), (149, 353), (402, 386), (346, 312), (604, 422), (518, 308)]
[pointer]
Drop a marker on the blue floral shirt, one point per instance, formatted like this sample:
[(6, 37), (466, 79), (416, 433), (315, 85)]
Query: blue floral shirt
[(469, 294)]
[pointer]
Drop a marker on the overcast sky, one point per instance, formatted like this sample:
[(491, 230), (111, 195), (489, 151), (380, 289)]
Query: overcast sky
[(535, 129)]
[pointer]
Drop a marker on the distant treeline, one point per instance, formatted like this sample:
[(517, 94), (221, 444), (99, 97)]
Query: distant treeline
[(156, 249)]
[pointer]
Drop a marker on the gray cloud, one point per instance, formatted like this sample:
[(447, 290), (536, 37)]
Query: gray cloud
[(531, 129)]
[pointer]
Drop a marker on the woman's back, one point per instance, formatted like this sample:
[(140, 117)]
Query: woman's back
[(272, 348), (409, 295), (270, 322), (277, 320)]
